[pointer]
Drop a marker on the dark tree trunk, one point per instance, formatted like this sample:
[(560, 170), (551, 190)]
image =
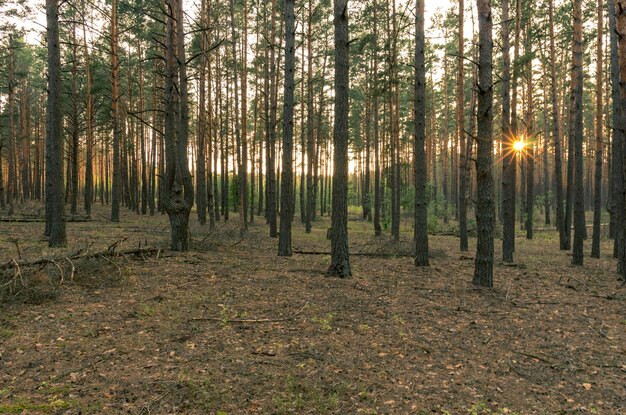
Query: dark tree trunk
[(179, 186), (55, 207), (597, 188), (558, 159), (310, 142), (201, 187), (485, 208), (2, 204), (530, 155), (463, 162), (117, 129), (509, 158), (419, 155), (377, 184), (621, 32), (89, 186), (340, 257), (617, 171), (271, 130), (286, 194), (576, 135)]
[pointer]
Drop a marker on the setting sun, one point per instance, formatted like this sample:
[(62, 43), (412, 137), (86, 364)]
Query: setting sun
[(519, 145)]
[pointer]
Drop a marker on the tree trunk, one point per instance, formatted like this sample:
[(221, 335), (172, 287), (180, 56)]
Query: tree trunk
[(621, 33), (419, 155), (179, 186), (576, 135), (485, 208), (597, 188), (310, 142), (377, 184), (460, 120), (55, 207), (89, 186), (340, 257), (556, 136), (286, 194), (115, 96), (271, 129), (201, 187), (617, 171), (509, 158)]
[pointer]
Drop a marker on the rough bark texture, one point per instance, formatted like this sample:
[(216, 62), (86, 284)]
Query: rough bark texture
[(617, 171), (310, 143), (201, 189), (597, 187), (509, 160), (377, 192), (117, 129), (558, 169), (89, 186), (576, 134), (286, 193), (271, 131), (460, 98), (340, 259), (485, 208), (620, 12), (419, 155), (178, 194), (55, 207)]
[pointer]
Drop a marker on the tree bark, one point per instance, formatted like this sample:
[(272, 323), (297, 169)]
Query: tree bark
[(340, 257), (485, 208), (617, 171), (115, 96), (621, 33), (55, 207), (460, 120), (576, 134), (286, 194), (597, 188), (556, 136), (179, 186), (419, 155), (509, 158)]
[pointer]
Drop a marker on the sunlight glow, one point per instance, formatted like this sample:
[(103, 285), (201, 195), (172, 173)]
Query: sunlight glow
[(519, 145)]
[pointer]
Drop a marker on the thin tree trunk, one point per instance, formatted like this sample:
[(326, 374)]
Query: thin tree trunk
[(377, 184), (576, 135), (460, 120), (509, 158), (115, 96), (286, 201), (201, 186), (597, 188)]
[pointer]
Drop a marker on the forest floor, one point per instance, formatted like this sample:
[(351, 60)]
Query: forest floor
[(230, 328)]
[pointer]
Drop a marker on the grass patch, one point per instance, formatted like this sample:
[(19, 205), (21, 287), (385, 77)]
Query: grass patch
[(21, 405)]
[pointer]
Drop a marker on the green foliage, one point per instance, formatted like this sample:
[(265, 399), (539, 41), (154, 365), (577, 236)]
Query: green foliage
[(324, 322)]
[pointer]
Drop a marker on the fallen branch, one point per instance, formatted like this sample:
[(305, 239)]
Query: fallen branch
[(366, 254), (253, 320), (76, 255), (532, 356), (39, 219)]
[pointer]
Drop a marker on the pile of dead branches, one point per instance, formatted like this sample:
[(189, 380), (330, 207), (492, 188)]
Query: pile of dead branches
[(32, 280)]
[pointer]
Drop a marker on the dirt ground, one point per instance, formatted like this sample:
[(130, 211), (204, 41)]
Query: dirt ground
[(230, 328)]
